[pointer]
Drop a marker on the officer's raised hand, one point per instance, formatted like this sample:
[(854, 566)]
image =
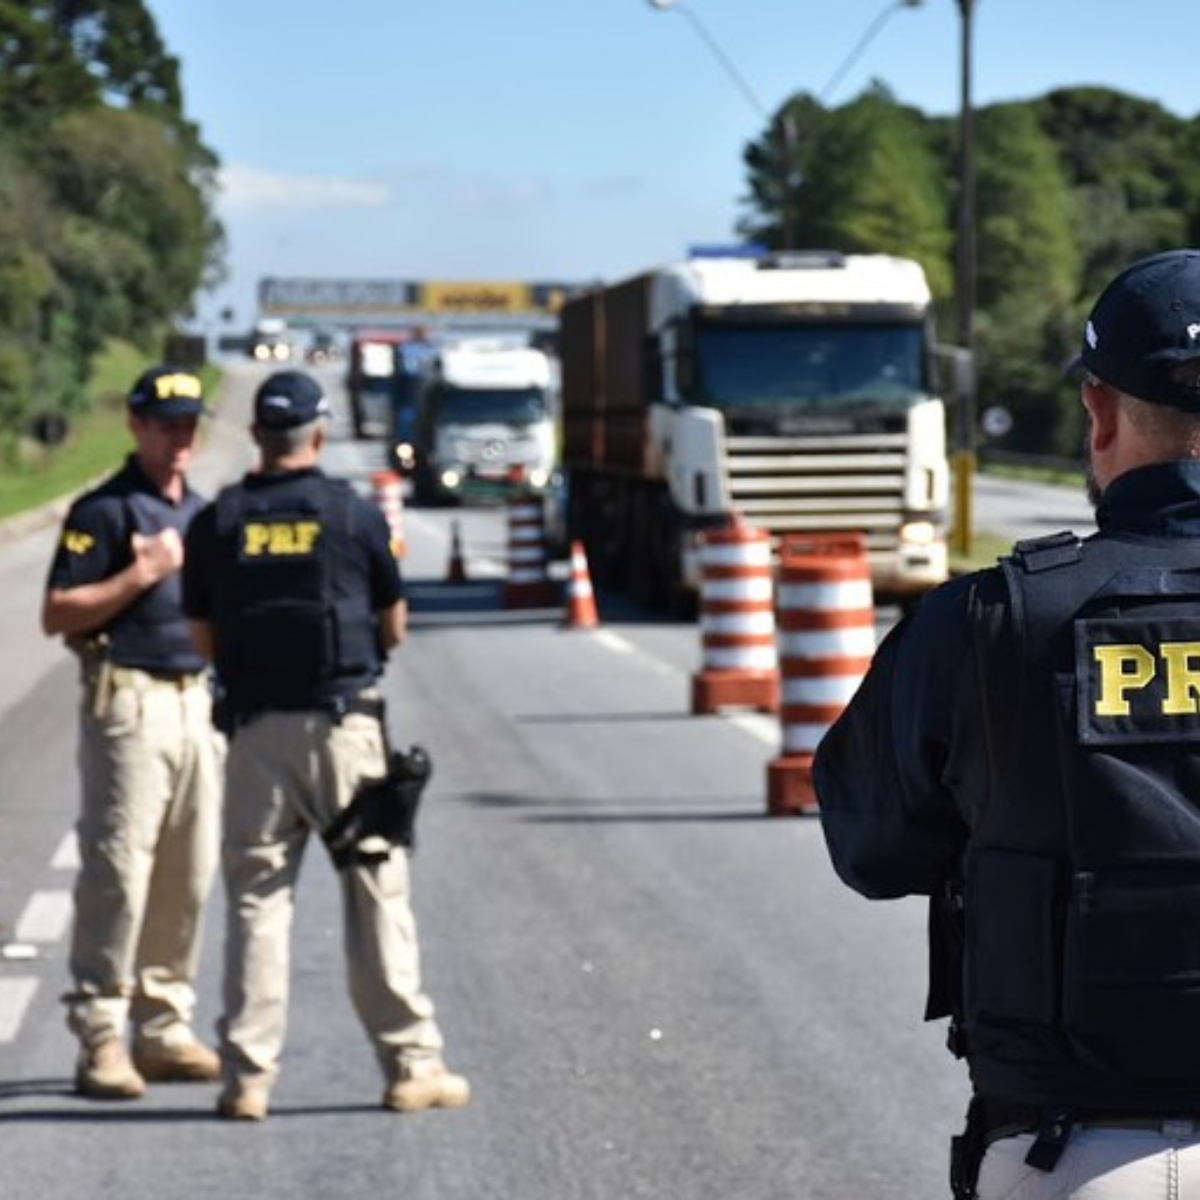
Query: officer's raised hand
[(156, 555)]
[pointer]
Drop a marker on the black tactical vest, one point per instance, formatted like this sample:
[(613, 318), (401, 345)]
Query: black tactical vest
[(295, 629), (1082, 884)]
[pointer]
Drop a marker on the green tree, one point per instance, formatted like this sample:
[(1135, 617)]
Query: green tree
[(107, 193), (1028, 271), (866, 181), (1134, 182)]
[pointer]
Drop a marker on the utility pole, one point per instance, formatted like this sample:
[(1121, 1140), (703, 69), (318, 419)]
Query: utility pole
[(964, 425)]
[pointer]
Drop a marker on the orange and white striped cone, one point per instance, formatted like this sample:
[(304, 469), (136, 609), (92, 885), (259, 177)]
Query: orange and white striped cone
[(581, 599), (737, 622), (826, 617), (388, 491), (456, 570)]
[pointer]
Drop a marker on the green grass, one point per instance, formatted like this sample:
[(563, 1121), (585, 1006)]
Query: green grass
[(986, 548), (96, 443)]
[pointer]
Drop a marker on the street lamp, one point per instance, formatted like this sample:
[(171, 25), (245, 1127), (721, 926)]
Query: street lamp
[(785, 128), (862, 44)]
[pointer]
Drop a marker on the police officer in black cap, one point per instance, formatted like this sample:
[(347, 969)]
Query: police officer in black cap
[(1025, 750), (293, 592), (149, 763)]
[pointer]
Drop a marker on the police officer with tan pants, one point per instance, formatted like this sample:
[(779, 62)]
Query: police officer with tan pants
[(148, 760), (293, 592)]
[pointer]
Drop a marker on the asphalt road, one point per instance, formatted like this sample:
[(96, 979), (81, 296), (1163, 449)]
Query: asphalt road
[(656, 990)]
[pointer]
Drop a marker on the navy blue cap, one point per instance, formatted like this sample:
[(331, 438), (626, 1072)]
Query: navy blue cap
[(287, 399), (167, 392), (1143, 335)]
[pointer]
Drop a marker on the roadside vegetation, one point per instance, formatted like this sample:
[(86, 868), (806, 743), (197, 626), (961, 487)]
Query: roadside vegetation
[(97, 439), (107, 226)]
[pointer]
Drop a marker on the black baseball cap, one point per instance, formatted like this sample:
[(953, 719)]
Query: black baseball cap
[(1143, 334), (166, 392), (287, 399)]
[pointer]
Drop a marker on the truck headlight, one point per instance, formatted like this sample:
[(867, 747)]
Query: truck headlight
[(918, 533), (450, 479)]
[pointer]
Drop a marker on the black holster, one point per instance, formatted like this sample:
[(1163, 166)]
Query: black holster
[(381, 808), (966, 1153)]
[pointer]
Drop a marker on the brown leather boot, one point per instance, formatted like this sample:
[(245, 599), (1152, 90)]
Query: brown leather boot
[(427, 1085), (105, 1072), (176, 1062)]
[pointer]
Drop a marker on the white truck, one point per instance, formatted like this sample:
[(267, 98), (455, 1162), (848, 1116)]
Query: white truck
[(484, 422), (794, 390)]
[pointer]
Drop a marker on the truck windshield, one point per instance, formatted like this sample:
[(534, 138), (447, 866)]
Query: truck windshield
[(743, 367), (471, 406)]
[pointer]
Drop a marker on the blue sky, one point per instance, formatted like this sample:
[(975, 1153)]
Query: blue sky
[(576, 139)]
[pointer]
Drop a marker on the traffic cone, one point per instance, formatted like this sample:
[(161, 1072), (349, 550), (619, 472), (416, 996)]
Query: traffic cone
[(388, 492), (581, 600), (456, 572)]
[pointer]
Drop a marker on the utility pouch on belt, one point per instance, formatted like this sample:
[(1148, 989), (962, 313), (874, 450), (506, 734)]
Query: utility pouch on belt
[(95, 669), (381, 808)]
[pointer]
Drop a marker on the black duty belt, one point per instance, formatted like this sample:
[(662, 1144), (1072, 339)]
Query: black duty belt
[(1000, 1118)]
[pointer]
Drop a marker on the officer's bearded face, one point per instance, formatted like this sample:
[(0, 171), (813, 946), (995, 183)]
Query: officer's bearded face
[(1094, 490), (164, 444)]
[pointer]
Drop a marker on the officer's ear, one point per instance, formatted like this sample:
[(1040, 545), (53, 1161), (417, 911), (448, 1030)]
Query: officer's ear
[(1103, 407)]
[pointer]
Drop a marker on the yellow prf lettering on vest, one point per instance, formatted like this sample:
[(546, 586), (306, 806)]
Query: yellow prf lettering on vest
[(1182, 660), (1126, 668), (280, 539)]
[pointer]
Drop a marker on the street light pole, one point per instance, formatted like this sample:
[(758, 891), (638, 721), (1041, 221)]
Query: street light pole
[(783, 129), (711, 42), (862, 44), (965, 263)]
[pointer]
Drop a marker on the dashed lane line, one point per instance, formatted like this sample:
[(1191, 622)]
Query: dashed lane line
[(44, 920), (15, 997), (764, 728), (45, 917), (66, 857)]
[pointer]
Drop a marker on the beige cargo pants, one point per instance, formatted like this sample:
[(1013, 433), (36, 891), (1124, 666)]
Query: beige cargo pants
[(150, 767), (287, 776)]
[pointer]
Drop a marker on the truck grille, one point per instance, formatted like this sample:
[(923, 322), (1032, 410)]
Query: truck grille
[(820, 484)]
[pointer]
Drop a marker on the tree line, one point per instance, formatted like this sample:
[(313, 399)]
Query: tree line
[(1071, 187), (107, 225)]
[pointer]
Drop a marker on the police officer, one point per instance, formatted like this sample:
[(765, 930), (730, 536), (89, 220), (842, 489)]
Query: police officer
[(148, 760), (1026, 750), (292, 590)]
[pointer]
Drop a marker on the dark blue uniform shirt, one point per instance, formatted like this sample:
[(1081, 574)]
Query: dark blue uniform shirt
[(151, 634)]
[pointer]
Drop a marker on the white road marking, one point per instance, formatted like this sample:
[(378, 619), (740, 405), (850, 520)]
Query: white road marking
[(766, 729), (614, 642), (66, 857), (15, 997), (45, 918)]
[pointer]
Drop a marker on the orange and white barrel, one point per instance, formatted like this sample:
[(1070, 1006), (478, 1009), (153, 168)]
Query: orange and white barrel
[(826, 615), (387, 489), (529, 584), (739, 661)]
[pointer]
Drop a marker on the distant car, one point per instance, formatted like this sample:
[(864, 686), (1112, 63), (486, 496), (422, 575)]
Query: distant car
[(270, 350), (269, 341), (322, 348)]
